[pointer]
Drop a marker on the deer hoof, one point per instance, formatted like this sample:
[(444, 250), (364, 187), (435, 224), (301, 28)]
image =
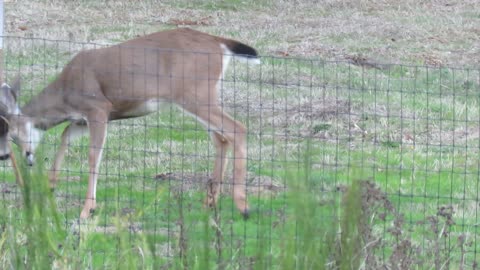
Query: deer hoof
[(84, 214), (210, 201), (245, 213)]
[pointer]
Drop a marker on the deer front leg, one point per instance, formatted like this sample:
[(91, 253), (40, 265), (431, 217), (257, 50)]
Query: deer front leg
[(72, 131), (98, 130)]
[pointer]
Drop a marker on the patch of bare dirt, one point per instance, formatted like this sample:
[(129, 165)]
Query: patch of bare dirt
[(185, 22), (363, 61), (458, 136), (324, 110), (257, 185), (325, 118)]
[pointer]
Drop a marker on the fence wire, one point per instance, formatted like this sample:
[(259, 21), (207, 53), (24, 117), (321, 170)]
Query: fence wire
[(410, 134)]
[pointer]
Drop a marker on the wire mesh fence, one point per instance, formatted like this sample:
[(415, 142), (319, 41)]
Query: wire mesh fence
[(410, 134)]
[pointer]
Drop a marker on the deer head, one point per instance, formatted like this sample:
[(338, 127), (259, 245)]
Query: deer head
[(14, 125)]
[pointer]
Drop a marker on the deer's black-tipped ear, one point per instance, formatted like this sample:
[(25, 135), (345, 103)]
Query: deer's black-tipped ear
[(15, 87)]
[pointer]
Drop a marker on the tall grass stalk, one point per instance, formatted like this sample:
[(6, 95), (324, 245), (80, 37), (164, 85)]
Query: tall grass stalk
[(41, 228), (349, 255), (319, 231)]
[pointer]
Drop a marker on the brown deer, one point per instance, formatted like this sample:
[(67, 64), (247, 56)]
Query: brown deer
[(128, 80)]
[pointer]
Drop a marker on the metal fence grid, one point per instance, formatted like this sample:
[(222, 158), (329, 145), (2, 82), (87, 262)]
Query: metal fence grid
[(411, 131)]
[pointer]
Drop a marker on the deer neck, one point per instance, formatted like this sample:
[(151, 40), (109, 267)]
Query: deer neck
[(47, 109)]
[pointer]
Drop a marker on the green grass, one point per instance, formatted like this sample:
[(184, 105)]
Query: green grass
[(412, 130), (298, 229), (188, 236)]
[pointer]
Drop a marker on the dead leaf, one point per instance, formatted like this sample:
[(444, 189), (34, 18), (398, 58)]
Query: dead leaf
[(282, 53), (359, 60), (408, 137), (163, 176)]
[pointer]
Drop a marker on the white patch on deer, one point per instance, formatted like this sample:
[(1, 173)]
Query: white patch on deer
[(17, 110), (34, 136), (149, 106), (240, 58), (75, 131), (97, 168), (227, 55), (4, 146), (76, 116), (30, 158), (250, 61)]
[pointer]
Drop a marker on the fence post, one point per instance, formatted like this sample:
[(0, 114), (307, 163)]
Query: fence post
[(1, 41)]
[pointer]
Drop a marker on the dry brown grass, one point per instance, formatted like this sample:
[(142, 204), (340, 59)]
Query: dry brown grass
[(437, 32)]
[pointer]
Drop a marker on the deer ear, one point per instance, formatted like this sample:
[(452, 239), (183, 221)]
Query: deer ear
[(15, 87)]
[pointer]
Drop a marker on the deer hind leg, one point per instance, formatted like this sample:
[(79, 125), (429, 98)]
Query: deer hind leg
[(72, 131), (228, 133), (213, 188), (97, 125)]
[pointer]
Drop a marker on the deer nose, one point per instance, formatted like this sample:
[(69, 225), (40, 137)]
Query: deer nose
[(29, 156), (5, 157)]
